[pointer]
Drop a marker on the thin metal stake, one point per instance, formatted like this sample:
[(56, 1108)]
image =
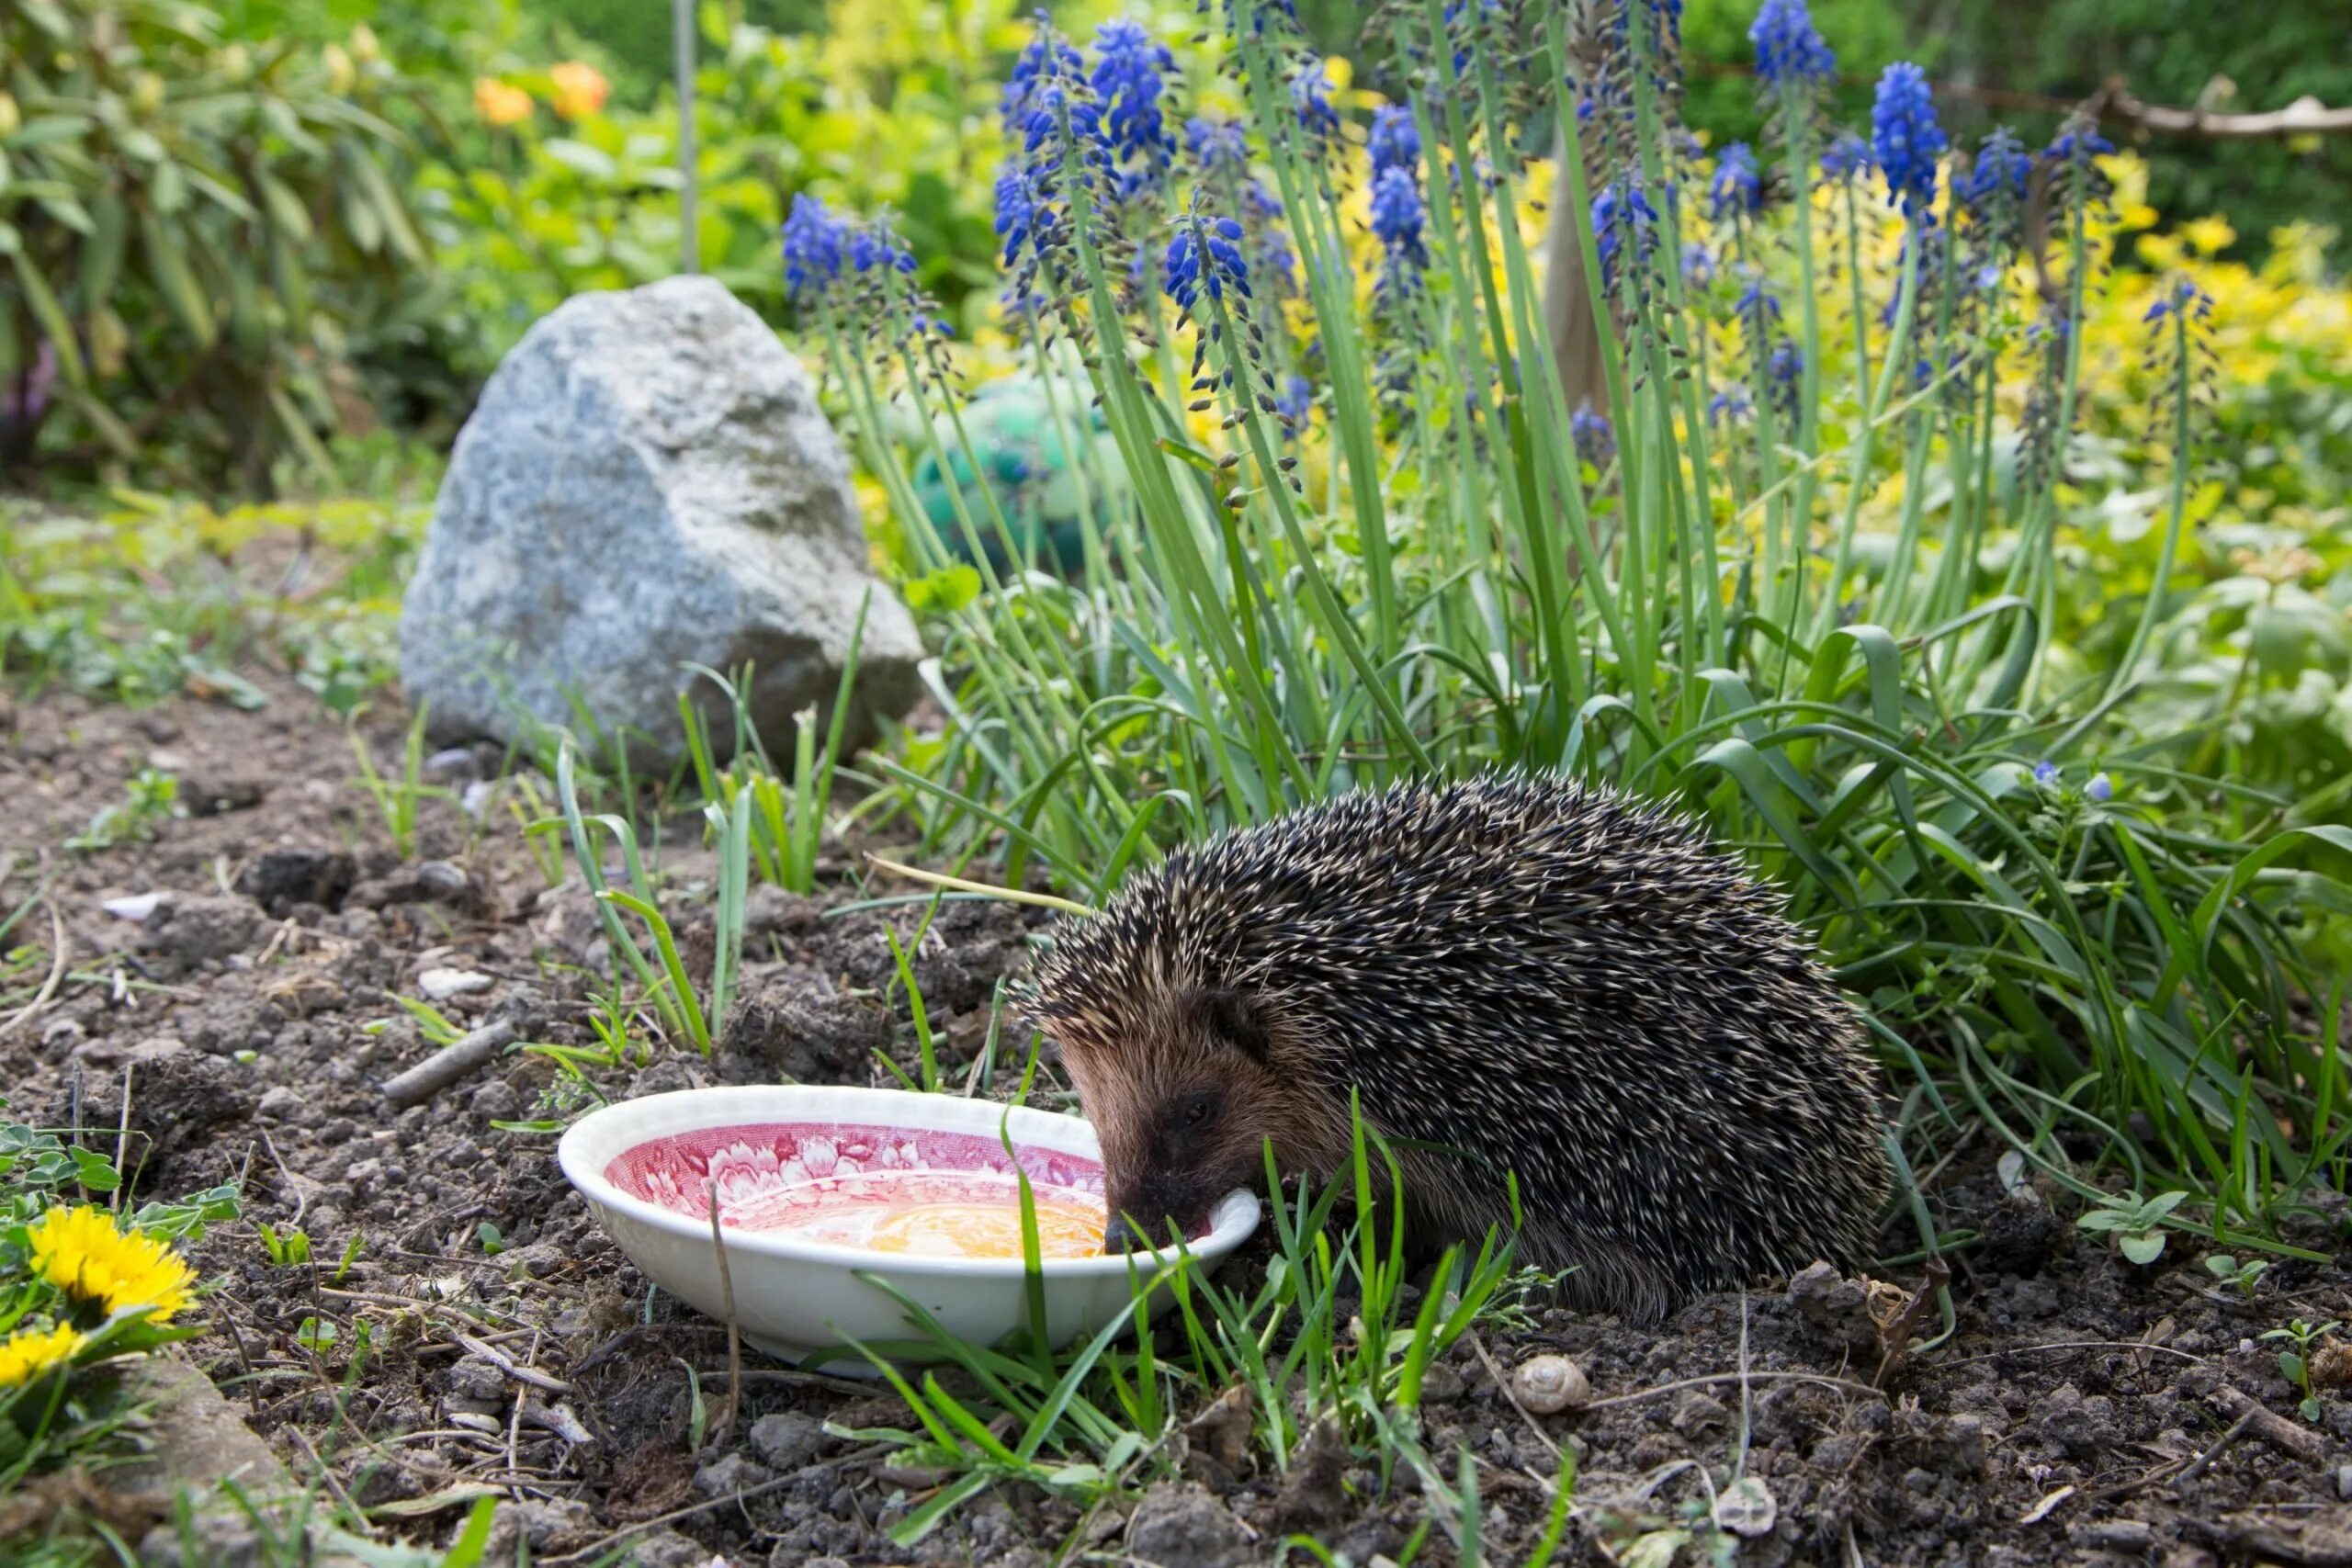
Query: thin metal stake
[(682, 19)]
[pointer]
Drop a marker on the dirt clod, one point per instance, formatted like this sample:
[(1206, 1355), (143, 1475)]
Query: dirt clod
[(1184, 1526)]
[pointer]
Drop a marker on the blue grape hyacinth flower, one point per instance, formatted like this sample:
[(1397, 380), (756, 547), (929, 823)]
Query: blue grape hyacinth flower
[(1395, 141), (1128, 73), (1396, 218), (1906, 140), (1999, 174), (1205, 255), (1790, 55), (1596, 442), (1619, 212), (814, 242), (1217, 143), (1847, 157), (1310, 94), (1737, 188)]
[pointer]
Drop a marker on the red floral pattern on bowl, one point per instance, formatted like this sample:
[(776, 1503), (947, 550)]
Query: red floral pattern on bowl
[(775, 1174)]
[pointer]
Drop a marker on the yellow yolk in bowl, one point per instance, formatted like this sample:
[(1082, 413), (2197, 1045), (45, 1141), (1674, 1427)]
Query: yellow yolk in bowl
[(987, 1230), (934, 1214)]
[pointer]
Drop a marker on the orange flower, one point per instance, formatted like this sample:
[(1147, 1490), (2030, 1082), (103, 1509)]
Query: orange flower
[(579, 91), (499, 103)]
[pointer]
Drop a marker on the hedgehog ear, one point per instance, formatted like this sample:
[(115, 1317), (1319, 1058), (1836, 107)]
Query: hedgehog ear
[(1235, 1019)]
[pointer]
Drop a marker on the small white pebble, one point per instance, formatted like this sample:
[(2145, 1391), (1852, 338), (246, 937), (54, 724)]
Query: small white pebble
[(1546, 1385), (132, 906), (440, 985)]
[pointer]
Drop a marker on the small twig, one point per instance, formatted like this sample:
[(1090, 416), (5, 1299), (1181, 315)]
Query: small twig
[(734, 1334), (508, 1365), (785, 1377), (1503, 1384), (56, 974), (327, 1475), (1896, 1336), (2196, 1467), (300, 1202), (465, 1054), (1844, 1385), (2074, 1344), (2272, 1428), (123, 1141), (1010, 895), (514, 1428)]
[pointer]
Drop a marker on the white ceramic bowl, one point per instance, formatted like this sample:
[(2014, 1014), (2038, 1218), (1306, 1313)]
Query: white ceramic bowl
[(646, 1167)]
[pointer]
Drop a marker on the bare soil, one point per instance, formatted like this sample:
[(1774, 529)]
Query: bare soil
[(2084, 1410)]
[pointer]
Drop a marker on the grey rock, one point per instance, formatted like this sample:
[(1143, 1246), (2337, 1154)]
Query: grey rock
[(278, 879), (647, 482), (668, 1549), (728, 1476), (200, 928), (785, 1442)]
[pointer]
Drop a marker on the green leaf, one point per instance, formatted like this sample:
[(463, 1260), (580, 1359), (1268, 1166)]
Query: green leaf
[(95, 1171), (168, 191), (286, 209), (102, 256), (581, 159), (2143, 1249), (47, 17), (474, 1542), (167, 265), (51, 317)]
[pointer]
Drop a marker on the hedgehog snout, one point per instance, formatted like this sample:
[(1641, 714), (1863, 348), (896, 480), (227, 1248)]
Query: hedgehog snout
[(1120, 1235)]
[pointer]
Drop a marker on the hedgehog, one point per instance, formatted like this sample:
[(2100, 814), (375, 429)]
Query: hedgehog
[(1512, 977)]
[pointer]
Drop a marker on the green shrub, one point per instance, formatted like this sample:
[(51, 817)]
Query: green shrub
[(198, 232), (883, 108)]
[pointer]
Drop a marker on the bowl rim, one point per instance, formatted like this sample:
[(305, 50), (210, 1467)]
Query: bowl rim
[(591, 1142)]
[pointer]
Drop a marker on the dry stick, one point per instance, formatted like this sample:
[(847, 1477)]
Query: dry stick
[(2073, 1345), (2273, 1429), (326, 1474), (464, 1055), (49, 986), (1845, 1385), (1503, 1384), (1897, 1336), (300, 1202), (2196, 1466), (727, 1302), (122, 1142), (508, 1365), (1010, 895)]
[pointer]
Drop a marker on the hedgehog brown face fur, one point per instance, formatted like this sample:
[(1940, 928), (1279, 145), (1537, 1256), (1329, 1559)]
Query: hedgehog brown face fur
[(1184, 1084), (1543, 979)]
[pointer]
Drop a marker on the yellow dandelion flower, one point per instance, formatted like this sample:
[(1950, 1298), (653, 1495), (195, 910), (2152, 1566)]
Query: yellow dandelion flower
[(82, 1253), (501, 102), (30, 1352)]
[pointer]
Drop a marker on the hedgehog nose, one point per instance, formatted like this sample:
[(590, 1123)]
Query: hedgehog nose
[(1121, 1237)]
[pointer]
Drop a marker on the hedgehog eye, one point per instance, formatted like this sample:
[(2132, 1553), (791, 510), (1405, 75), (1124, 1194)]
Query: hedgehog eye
[(1195, 1109)]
